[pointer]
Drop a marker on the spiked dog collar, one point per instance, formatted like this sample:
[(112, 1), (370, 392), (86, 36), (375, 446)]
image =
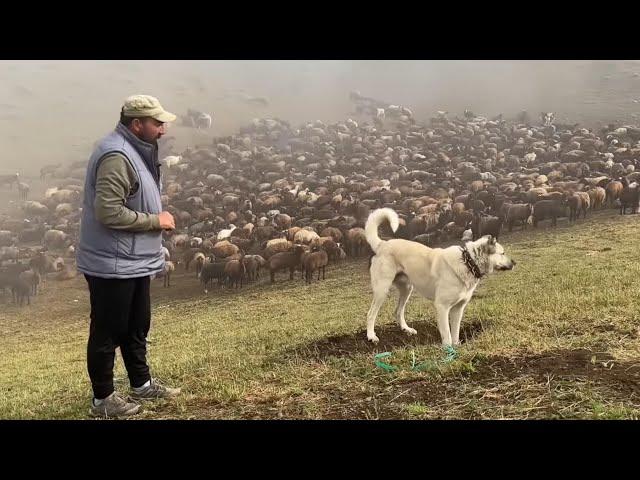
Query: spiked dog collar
[(470, 263)]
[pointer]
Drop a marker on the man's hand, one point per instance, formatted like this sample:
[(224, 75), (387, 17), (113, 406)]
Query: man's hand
[(166, 221)]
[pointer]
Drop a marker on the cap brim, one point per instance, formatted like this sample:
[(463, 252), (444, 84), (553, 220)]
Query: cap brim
[(165, 117)]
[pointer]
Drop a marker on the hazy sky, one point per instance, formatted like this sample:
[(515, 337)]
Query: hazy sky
[(53, 111)]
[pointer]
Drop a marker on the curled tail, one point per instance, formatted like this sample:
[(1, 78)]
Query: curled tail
[(374, 221)]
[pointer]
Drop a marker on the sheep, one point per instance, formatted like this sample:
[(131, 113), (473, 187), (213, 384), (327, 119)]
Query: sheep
[(285, 260), (598, 196), (253, 264), (235, 272), (328, 245), (332, 232), (31, 277), (224, 234), (282, 221), (211, 271), (23, 190), (64, 196), (486, 225), (189, 256), (356, 242), (168, 269), (7, 238), (629, 198), (224, 249), (63, 209), (171, 161), (199, 259), (316, 260), (517, 213), (56, 239), (9, 179), (203, 120), (305, 237), (276, 245), (67, 273), (9, 253), (35, 208), (21, 289)]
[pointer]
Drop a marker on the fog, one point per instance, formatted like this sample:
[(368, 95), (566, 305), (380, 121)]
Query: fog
[(54, 111)]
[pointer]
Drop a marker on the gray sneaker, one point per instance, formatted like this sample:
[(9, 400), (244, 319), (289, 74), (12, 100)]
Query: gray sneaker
[(155, 390), (114, 406)]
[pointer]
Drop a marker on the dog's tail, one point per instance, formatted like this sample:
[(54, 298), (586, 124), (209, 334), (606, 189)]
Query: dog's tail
[(374, 221)]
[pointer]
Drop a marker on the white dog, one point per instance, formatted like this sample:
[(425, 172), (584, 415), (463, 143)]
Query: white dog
[(446, 276)]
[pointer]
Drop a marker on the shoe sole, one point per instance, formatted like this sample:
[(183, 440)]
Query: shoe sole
[(132, 411)]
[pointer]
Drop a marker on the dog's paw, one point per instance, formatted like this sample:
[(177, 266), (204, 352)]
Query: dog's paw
[(373, 338), (410, 331)]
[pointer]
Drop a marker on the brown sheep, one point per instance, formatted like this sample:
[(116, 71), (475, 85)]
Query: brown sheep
[(235, 272), (578, 202), (332, 232), (598, 197), (251, 267), (613, 191), (285, 260), (316, 260), (277, 245), (305, 237), (291, 233), (256, 261), (329, 246), (282, 221), (629, 198), (356, 242), (225, 249)]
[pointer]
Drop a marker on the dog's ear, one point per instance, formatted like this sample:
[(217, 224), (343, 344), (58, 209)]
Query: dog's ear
[(491, 240)]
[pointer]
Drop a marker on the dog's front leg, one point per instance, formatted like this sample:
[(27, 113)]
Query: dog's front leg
[(455, 317), (442, 312)]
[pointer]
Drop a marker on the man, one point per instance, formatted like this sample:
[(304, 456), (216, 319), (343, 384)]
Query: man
[(118, 251)]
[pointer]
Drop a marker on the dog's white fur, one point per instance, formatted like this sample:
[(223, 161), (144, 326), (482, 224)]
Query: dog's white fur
[(437, 274)]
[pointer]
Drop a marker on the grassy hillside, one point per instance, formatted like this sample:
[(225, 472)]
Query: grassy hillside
[(555, 338)]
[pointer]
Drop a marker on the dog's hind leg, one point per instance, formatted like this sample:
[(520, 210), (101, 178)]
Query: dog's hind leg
[(381, 280), (404, 289)]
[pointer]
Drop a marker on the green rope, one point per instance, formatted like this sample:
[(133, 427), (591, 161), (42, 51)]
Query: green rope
[(450, 355)]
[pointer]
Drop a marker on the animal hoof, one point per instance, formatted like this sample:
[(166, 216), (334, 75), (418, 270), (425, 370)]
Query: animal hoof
[(373, 339), (410, 331)]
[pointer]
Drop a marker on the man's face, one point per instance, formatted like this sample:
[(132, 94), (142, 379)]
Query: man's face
[(148, 129)]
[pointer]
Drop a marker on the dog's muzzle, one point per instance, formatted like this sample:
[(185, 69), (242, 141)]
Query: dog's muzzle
[(509, 266)]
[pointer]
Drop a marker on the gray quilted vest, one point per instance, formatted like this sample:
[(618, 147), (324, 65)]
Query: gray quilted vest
[(109, 253)]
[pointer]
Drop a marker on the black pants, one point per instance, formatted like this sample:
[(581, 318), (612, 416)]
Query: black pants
[(120, 316)]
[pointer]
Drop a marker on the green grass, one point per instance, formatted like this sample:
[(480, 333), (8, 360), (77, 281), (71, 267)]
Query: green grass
[(555, 338)]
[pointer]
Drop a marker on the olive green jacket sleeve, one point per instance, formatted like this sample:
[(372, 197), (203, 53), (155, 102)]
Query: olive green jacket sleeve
[(115, 181)]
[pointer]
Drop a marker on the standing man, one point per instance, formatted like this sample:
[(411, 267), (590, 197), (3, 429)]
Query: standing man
[(118, 251)]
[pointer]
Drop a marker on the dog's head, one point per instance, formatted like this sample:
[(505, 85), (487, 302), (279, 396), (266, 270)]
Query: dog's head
[(497, 260)]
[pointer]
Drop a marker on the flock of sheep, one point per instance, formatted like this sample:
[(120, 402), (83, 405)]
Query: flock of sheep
[(276, 197)]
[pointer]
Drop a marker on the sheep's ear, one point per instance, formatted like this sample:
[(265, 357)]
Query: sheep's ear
[(491, 240)]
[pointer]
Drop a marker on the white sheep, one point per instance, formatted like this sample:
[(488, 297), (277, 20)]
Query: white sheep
[(225, 233), (171, 160)]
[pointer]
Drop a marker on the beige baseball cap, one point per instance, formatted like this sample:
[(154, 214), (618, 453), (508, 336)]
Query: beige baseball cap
[(146, 106)]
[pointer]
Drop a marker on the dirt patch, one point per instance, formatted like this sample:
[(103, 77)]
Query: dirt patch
[(391, 337)]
